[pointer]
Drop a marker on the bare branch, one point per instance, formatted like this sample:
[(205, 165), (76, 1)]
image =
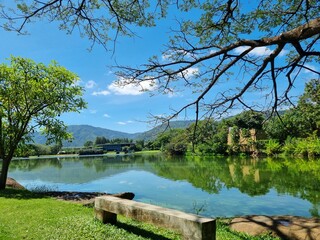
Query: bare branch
[(226, 59)]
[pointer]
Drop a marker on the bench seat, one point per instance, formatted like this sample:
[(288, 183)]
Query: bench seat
[(192, 227)]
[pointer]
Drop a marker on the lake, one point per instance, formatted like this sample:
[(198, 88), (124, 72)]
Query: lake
[(209, 186)]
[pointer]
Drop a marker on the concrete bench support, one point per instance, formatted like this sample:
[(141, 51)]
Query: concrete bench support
[(192, 227)]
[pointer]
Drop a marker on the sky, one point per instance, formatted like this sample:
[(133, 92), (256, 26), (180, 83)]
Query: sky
[(121, 109)]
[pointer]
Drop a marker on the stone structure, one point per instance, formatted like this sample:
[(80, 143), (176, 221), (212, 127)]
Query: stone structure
[(192, 227), (246, 143)]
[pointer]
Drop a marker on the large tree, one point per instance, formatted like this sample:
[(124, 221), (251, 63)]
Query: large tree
[(32, 97), (309, 106), (240, 56), (232, 53)]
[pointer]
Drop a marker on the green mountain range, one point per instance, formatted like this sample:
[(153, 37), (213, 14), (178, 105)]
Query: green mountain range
[(84, 133)]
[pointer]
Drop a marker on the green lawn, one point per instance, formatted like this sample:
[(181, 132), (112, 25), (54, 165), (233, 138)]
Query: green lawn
[(26, 215)]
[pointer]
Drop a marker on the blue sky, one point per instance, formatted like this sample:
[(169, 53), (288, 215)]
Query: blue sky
[(122, 109), (125, 109)]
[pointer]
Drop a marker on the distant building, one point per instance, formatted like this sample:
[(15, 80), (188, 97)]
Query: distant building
[(116, 146)]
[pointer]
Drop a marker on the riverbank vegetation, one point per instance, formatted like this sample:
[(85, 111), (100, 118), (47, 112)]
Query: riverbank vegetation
[(49, 218), (294, 131)]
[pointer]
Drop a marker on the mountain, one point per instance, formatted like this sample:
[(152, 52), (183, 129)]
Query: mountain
[(84, 133), (152, 134)]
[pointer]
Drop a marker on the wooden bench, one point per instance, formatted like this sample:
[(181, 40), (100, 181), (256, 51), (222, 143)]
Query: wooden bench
[(192, 227)]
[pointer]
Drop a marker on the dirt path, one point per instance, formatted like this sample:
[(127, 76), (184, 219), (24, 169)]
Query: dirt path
[(285, 227)]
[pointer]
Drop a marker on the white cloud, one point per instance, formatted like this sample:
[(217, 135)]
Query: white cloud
[(175, 53), (125, 123), (127, 87), (93, 111), (311, 67), (103, 92), (190, 72), (91, 84), (258, 51), (106, 115)]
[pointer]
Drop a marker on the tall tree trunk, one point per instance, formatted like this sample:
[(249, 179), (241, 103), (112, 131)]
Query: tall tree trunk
[(4, 173)]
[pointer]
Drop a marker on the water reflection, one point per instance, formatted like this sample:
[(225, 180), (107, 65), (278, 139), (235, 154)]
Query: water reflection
[(256, 186)]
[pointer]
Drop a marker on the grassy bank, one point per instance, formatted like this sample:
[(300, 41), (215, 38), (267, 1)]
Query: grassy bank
[(27, 215)]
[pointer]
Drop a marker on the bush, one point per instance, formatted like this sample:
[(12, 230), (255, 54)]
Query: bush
[(90, 151), (176, 148), (289, 146), (272, 147)]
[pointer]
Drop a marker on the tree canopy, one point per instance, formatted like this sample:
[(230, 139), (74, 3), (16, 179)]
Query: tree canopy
[(32, 97), (232, 54)]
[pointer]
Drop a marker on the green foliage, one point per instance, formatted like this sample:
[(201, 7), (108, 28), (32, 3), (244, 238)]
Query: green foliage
[(272, 147), (86, 16), (90, 151), (33, 96), (139, 146), (164, 138), (308, 106), (299, 122), (100, 140), (289, 146), (248, 120), (176, 148), (234, 147), (26, 150), (178, 143), (304, 147), (88, 144), (210, 136)]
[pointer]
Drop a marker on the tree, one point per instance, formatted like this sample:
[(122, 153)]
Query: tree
[(32, 97), (299, 122), (178, 142), (234, 50), (88, 144), (226, 51), (101, 21), (249, 120), (309, 106), (140, 144), (100, 140)]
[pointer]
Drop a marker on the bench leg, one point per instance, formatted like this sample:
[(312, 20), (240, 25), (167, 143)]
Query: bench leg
[(105, 217)]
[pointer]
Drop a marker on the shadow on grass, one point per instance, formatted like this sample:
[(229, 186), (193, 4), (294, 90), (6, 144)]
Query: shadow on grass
[(20, 194), (140, 232)]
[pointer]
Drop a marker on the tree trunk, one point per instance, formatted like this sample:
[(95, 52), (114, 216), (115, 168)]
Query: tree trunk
[(4, 173)]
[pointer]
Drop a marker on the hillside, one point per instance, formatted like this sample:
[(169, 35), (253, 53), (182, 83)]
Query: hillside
[(152, 134), (83, 133)]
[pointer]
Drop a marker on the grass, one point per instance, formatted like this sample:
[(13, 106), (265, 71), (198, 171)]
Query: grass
[(27, 215)]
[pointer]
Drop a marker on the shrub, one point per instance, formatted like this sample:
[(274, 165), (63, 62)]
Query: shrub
[(289, 146), (272, 147)]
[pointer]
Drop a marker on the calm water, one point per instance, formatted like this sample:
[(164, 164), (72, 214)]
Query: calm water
[(210, 186)]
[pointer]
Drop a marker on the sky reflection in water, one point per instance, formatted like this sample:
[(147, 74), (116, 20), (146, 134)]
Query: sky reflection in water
[(208, 186)]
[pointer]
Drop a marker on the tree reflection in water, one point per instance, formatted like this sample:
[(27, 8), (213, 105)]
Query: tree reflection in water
[(253, 177)]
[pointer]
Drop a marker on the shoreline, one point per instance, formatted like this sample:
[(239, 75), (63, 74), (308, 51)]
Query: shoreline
[(285, 227)]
